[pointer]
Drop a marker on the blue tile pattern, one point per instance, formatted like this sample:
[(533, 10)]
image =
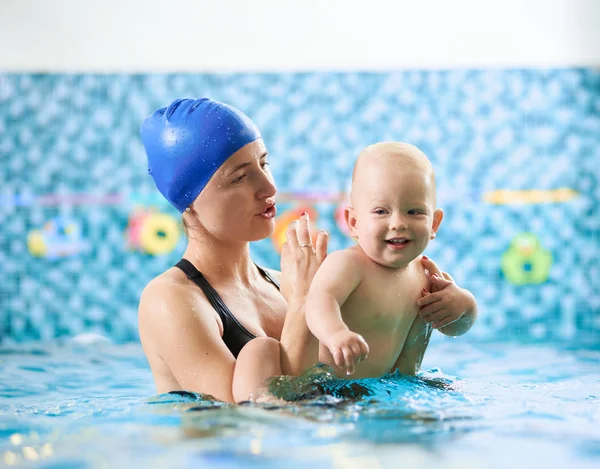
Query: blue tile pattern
[(72, 171)]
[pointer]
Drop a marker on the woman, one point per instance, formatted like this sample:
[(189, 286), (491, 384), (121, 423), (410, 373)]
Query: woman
[(209, 161)]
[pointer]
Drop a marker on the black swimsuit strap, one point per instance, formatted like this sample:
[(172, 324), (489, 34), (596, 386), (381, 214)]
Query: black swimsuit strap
[(235, 335), (269, 277), (192, 273), (211, 294)]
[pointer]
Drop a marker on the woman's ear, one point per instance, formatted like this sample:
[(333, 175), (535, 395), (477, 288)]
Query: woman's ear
[(191, 223)]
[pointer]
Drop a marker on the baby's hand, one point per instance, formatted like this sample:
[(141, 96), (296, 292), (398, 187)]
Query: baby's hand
[(347, 349), (445, 302)]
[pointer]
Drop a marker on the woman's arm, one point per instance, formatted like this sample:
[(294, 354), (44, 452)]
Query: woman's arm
[(299, 348), (186, 336), (415, 345)]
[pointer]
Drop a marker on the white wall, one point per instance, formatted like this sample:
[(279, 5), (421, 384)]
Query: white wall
[(239, 35)]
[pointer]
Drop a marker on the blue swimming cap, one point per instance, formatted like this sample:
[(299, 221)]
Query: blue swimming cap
[(188, 141)]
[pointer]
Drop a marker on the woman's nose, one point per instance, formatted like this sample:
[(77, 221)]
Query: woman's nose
[(267, 187)]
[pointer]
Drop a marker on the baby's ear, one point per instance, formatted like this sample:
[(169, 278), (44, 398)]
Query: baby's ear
[(438, 216), (351, 221)]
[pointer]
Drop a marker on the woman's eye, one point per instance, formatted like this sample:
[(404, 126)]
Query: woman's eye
[(264, 164), (239, 179)]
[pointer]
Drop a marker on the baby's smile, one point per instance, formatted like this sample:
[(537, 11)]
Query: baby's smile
[(398, 243)]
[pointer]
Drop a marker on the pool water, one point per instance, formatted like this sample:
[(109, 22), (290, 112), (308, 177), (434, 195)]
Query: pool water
[(476, 405)]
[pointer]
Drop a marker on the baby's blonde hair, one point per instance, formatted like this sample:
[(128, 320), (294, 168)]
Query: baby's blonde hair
[(401, 152)]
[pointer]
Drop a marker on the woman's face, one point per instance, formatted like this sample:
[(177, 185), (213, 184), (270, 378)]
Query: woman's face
[(238, 203)]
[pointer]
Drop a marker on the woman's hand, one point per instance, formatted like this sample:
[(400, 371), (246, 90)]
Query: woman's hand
[(445, 305), (300, 259)]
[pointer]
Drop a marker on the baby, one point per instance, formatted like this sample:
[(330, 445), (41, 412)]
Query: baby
[(377, 298)]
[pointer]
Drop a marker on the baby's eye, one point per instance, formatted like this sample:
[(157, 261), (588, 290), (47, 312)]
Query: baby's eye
[(415, 212), (380, 211)]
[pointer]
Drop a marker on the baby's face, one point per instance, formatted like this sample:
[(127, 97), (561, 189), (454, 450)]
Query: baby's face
[(394, 211)]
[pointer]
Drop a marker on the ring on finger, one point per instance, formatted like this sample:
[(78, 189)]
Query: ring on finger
[(306, 245)]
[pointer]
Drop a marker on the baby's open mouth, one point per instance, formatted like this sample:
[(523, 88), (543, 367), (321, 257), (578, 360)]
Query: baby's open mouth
[(397, 241)]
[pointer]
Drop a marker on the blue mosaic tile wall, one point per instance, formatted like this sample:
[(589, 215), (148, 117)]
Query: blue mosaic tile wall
[(517, 155)]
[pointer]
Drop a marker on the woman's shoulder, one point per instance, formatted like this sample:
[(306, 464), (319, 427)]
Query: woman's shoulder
[(164, 284), (171, 294), (170, 302)]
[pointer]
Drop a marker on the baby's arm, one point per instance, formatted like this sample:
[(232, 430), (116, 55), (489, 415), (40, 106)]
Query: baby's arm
[(259, 360), (338, 276)]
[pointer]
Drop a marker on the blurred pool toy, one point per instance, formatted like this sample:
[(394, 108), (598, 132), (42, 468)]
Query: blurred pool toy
[(36, 244), (134, 228), (282, 221), (152, 232), (533, 196), (160, 234), (526, 262), (60, 237)]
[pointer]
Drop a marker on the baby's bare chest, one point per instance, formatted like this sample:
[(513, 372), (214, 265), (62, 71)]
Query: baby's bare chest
[(384, 302)]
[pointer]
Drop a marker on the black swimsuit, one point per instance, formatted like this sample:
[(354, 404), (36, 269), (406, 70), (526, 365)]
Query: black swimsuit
[(235, 335)]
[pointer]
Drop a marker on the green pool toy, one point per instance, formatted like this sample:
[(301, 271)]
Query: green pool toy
[(526, 262)]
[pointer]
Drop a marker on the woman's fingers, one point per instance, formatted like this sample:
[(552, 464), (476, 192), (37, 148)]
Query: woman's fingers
[(440, 282), (291, 234), (447, 276), (298, 236), (428, 310), (321, 247), (431, 266), (443, 322), (429, 298), (437, 316), (304, 230)]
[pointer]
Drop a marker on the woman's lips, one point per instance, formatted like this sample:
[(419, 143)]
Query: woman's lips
[(269, 212)]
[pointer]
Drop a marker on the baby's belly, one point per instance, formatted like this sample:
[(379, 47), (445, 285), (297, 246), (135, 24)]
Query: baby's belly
[(384, 349)]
